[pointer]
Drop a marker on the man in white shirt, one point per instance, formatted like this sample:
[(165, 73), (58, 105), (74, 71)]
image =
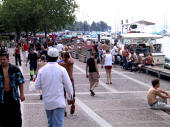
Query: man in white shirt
[(115, 52), (52, 79)]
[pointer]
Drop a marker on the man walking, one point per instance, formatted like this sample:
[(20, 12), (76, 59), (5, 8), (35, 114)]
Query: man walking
[(10, 79), (93, 73), (53, 79), (67, 63), (32, 59)]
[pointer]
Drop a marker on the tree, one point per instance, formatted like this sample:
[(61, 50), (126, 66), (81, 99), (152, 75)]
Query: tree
[(57, 14), (93, 26), (12, 16), (36, 15)]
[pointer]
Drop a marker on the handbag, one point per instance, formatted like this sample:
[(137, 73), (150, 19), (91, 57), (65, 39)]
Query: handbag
[(32, 86)]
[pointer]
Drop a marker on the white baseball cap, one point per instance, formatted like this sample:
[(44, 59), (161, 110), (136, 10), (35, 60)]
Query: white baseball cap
[(53, 52)]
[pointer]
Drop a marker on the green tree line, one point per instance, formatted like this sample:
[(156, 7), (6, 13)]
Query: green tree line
[(36, 15), (84, 26)]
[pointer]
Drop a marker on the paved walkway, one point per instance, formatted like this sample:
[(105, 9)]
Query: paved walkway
[(121, 104)]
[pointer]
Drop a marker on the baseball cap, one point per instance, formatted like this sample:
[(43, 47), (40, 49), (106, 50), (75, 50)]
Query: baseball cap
[(53, 52)]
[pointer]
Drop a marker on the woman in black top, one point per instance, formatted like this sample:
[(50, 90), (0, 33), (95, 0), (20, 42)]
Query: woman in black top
[(93, 73)]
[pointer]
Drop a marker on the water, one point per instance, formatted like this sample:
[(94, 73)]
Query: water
[(165, 41)]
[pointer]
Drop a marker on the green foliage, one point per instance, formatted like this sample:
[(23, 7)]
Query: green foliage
[(7, 38), (36, 15), (84, 26)]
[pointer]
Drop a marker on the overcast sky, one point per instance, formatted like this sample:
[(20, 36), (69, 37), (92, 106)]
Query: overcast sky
[(113, 11)]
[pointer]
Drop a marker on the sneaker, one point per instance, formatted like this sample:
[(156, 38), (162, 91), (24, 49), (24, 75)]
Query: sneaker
[(92, 93), (72, 110)]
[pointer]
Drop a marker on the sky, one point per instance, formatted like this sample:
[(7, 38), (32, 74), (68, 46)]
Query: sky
[(113, 11)]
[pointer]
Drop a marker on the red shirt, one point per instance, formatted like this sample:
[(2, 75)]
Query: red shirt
[(25, 47), (17, 51)]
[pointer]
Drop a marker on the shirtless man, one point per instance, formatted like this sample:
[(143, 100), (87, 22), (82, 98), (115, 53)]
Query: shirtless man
[(67, 63), (103, 49), (11, 79), (155, 92), (149, 60)]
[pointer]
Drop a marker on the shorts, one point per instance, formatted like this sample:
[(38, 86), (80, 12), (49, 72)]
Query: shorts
[(93, 79), (108, 67)]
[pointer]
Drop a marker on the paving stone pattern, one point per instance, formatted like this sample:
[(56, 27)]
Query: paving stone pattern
[(126, 107)]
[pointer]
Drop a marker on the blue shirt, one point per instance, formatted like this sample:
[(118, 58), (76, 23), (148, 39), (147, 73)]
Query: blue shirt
[(16, 79)]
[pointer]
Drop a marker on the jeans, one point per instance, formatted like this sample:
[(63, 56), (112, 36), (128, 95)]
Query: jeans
[(161, 106), (55, 117)]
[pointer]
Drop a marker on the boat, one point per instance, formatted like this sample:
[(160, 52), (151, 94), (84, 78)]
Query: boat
[(144, 43), (167, 63)]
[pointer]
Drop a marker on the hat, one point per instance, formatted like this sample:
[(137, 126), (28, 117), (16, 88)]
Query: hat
[(53, 52)]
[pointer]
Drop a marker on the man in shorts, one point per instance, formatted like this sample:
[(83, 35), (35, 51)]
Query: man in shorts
[(67, 62)]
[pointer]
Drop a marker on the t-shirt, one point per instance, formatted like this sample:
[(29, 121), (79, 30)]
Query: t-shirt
[(114, 51), (91, 64), (44, 52), (25, 47), (3, 48), (108, 60), (32, 58), (38, 46), (31, 46)]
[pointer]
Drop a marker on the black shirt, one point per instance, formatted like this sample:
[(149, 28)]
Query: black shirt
[(95, 47), (44, 52), (32, 58), (3, 48), (38, 46), (31, 46), (91, 64)]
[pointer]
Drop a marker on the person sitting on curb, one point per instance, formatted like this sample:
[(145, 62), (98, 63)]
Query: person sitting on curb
[(148, 61), (153, 93)]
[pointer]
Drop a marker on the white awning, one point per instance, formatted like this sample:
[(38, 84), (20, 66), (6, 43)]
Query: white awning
[(140, 36)]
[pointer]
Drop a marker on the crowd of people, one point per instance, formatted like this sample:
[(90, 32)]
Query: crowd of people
[(52, 66), (129, 59)]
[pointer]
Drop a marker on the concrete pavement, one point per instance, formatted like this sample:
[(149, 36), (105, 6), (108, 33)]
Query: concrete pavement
[(121, 104)]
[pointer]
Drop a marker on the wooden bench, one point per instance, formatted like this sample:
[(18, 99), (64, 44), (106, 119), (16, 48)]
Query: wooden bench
[(82, 58), (75, 55), (160, 71)]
